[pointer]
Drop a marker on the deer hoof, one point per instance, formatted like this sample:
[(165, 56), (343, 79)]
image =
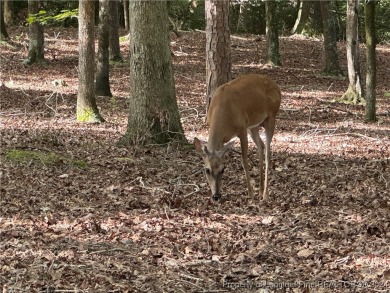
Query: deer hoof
[(217, 197)]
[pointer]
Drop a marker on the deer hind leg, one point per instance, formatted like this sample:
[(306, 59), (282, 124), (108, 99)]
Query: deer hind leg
[(244, 155), (260, 151), (269, 127)]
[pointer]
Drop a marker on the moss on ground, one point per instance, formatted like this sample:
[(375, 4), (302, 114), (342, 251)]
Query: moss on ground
[(41, 158)]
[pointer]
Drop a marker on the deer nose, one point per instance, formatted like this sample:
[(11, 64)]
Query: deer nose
[(217, 196)]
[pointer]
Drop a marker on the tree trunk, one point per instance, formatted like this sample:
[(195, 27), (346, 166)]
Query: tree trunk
[(218, 57), (241, 16), (332, 66), (87, 110), (3, 29), (115, 50), (370, 113), (102, 85), (354, 93), (302, 17), (153, 113), (8, 12), (308, 21), (36, 37), (126, 14), (273, 55)]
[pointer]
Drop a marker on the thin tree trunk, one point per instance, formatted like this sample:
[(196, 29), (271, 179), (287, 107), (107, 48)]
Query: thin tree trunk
[(102, 86), (302, 17), (370, 113), (3, 29), (87, 110), (153, 112), (332, 66), (354, 93), (273, 55), (36, 37), (240, 21), (218, 57), (8, 12), (115, 51), (126, 14)]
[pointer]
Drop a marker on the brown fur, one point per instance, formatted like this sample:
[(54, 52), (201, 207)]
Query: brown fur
[(241, 105)]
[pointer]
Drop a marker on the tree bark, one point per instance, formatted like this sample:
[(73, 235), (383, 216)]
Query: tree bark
[(354, 93), (218, 57), (273, 55), (329, 22), (36, 37), (370, 111), (8, 12), (3, 29), (87, 110), (153, 113), (115, 51), (102, 85)]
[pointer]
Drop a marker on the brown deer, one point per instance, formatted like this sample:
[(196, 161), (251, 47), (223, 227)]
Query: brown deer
[(241, 105)]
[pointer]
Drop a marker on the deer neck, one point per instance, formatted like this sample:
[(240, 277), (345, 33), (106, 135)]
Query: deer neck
[(216, 139)]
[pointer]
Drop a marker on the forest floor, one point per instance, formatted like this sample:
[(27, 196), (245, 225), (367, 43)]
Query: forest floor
[(79, 213)]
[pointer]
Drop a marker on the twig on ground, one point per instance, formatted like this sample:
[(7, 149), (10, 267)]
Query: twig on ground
[(190, 277), (341, 110)]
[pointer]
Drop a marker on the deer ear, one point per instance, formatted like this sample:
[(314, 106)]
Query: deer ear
[(200, 146), (227, 147)]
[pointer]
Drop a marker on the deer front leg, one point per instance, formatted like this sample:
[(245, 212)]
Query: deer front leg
[(244, 155)]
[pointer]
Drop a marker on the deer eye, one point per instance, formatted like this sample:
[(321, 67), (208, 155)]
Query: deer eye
[(223, 170), (208, 171)]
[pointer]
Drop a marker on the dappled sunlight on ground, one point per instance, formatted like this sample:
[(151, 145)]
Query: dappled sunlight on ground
[(104, 217)]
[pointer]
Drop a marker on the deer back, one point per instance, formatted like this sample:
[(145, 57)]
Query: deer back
[(242, 103)]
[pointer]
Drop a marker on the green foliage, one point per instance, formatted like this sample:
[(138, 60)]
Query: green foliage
[(382, 23), (44, 17), (190, 14), (187, 14), (197, 17), (287, 11), (253, 17)]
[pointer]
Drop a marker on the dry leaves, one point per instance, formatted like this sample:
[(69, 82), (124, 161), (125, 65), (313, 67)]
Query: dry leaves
[(141, 219)]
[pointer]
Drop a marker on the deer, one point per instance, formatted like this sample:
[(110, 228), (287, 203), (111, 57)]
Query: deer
[(237, 107)]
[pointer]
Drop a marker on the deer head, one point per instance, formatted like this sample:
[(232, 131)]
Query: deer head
[(214, 162)]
